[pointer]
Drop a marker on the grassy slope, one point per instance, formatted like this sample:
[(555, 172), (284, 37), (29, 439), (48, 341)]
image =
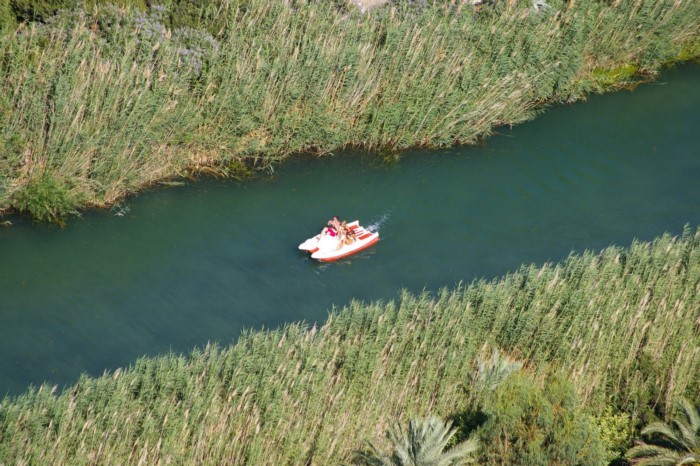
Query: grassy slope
[(97, 105), (622, 323)]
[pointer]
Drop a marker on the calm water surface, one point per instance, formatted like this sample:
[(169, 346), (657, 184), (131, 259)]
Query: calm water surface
[(200, 263)]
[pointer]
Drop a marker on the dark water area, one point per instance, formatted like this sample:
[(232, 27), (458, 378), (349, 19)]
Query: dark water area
[(199, 263)]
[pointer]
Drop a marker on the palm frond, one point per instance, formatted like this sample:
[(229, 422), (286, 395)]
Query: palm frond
[(652, 455), (422, 444), (461, 453), (370, 456), (691, 413), (692, 459), (689, 436), (670, 446), (493, 371), (662, 429)]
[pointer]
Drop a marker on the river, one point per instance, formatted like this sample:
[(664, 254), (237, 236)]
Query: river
[(178, 267)]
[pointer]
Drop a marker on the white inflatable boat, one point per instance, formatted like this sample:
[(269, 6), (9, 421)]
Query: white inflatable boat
[(327, 248)]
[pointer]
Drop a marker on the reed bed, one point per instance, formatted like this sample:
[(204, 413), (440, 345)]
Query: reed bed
[(622, 325), (94, 105)]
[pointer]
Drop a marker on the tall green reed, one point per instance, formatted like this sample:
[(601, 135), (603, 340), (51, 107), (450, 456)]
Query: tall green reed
[(621, 324), (107, 101)]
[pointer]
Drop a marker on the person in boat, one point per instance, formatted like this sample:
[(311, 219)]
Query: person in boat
[(333, 227), (349, 236), (346, 235), (342, 231)]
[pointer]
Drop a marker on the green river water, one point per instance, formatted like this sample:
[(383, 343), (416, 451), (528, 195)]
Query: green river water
[(184, 266)]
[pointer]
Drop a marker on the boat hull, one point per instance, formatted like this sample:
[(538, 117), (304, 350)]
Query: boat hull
[(345, 251)]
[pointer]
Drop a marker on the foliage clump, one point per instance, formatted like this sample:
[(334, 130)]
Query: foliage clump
[(39, 10), (7, 18), (46, 198), (615, 429), (537, 423)]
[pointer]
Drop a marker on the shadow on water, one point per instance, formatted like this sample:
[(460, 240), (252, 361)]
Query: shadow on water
[(179, 267)]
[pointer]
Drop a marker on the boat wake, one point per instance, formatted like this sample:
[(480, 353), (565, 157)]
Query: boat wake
[(375, 226)]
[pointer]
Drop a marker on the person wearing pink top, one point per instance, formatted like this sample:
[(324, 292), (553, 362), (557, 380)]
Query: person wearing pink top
[(333, 227)]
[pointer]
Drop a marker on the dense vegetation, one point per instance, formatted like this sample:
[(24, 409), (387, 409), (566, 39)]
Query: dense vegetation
[(99, 100), (607, 341)]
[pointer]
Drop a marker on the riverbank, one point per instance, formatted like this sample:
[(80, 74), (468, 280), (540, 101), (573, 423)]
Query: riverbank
[(100, 104), (312, 395)]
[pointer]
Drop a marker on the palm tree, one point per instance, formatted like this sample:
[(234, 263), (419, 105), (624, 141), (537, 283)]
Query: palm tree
[(674, 444), (493, 371), (423, 444)]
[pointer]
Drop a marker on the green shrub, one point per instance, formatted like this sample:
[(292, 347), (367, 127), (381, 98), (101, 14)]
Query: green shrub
[(538, 424), (39, 10), (7, 19), (615, 430), (208, 16), (186, 13), (646, 398), (45, 198), (601, 79), (132, 4)]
